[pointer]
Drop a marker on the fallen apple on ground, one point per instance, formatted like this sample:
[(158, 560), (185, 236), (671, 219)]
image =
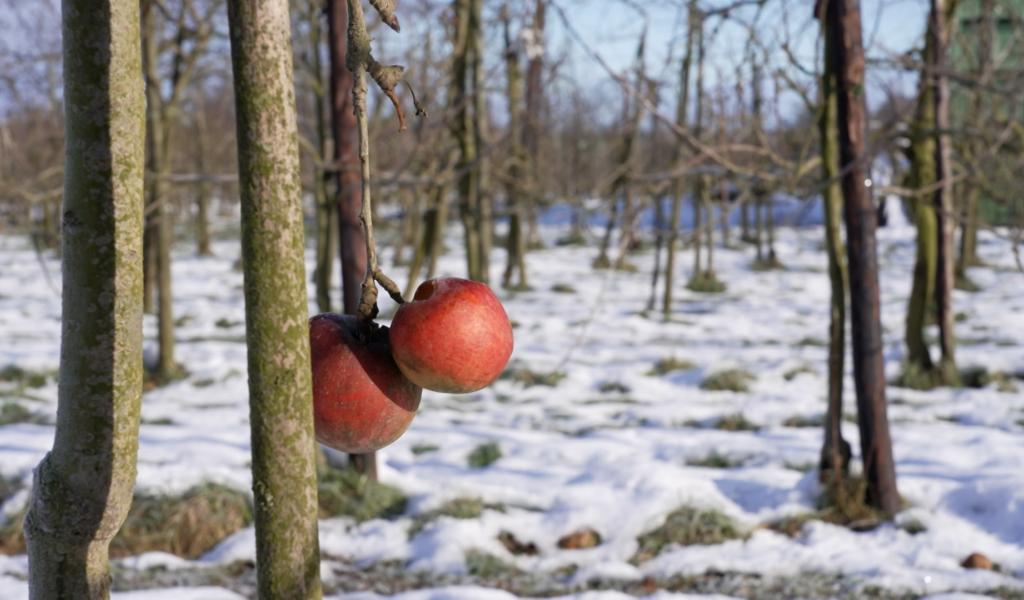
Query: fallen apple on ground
[(361, 400), (453, 336)]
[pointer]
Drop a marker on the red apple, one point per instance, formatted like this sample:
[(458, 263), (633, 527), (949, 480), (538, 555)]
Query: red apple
[(453, 336), (361, 401)]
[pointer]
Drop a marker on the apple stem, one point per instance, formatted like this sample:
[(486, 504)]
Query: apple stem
[(359, 59)]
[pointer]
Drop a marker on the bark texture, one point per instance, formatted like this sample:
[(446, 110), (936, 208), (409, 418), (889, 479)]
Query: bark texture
[(844, 22), (83, 487), (277, 334), (835, 453)]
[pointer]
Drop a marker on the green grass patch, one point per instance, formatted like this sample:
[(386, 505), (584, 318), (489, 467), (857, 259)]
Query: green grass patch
[(979, 377), (419, 449), (717, 461), (487, 566), (484, 455), (686, 526), (563, 288), (795, 372), (812, 342), (529, 378), (24, 378), (13, 412), (706, 283), (187, 525), (348, 493), (458, 508), (671, 364), (770, 263), (736, 422), (804, 421), (613, 387), (729, 380)]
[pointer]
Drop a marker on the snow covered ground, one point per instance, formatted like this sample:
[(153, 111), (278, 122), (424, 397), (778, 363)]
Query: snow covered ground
[(612, 446)]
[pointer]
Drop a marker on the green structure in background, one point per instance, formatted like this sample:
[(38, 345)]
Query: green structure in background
[(987, 56)]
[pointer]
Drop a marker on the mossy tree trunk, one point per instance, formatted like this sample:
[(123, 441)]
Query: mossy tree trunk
[(930, 155), (922, 175), (844, 22), (699, 182), (835, 452), (351, 240), (83, 487), (277, 333)]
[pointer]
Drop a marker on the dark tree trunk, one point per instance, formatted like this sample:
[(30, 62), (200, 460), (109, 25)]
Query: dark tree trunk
[(835, 452), (844, 23), (82, 488), (351, 240)]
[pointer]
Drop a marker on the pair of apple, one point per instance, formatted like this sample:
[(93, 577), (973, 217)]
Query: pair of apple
[(453, 336)]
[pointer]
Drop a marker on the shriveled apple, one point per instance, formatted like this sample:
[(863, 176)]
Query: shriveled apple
[(453, 336), (361, 400)]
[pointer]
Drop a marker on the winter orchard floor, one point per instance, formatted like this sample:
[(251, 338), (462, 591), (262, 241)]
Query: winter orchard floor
[(613, 445)]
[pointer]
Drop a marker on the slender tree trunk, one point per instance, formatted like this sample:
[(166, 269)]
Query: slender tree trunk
[(659, 241), (158, 202), (943, 197), (464, 128), (924, 167), (677, 184), (699, 181), (203, 247), (484, 199), (324, 206), (835, 452), (969, 229), (844, 22), (277, 334), (516, 245), (709, 210), (351, 243), (532, 124), (83, 487)]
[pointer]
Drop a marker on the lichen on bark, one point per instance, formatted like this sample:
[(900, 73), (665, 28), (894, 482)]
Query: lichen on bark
[(83, 486), (277, 337)]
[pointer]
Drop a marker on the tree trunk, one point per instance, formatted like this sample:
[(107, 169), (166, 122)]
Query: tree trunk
[(83, 487), (324, 206), (516, 244), (699, 181), (464, 128), (677, 184), (277, 334), (158, 201), (924, 166), (532, 124), (351, 240), (202, 224), (844, 22), (969, 229), (484, 200), (942, 199), (835, 452)]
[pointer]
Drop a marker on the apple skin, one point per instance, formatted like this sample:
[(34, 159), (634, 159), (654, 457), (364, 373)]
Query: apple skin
[(361, 401), (453, 336)]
